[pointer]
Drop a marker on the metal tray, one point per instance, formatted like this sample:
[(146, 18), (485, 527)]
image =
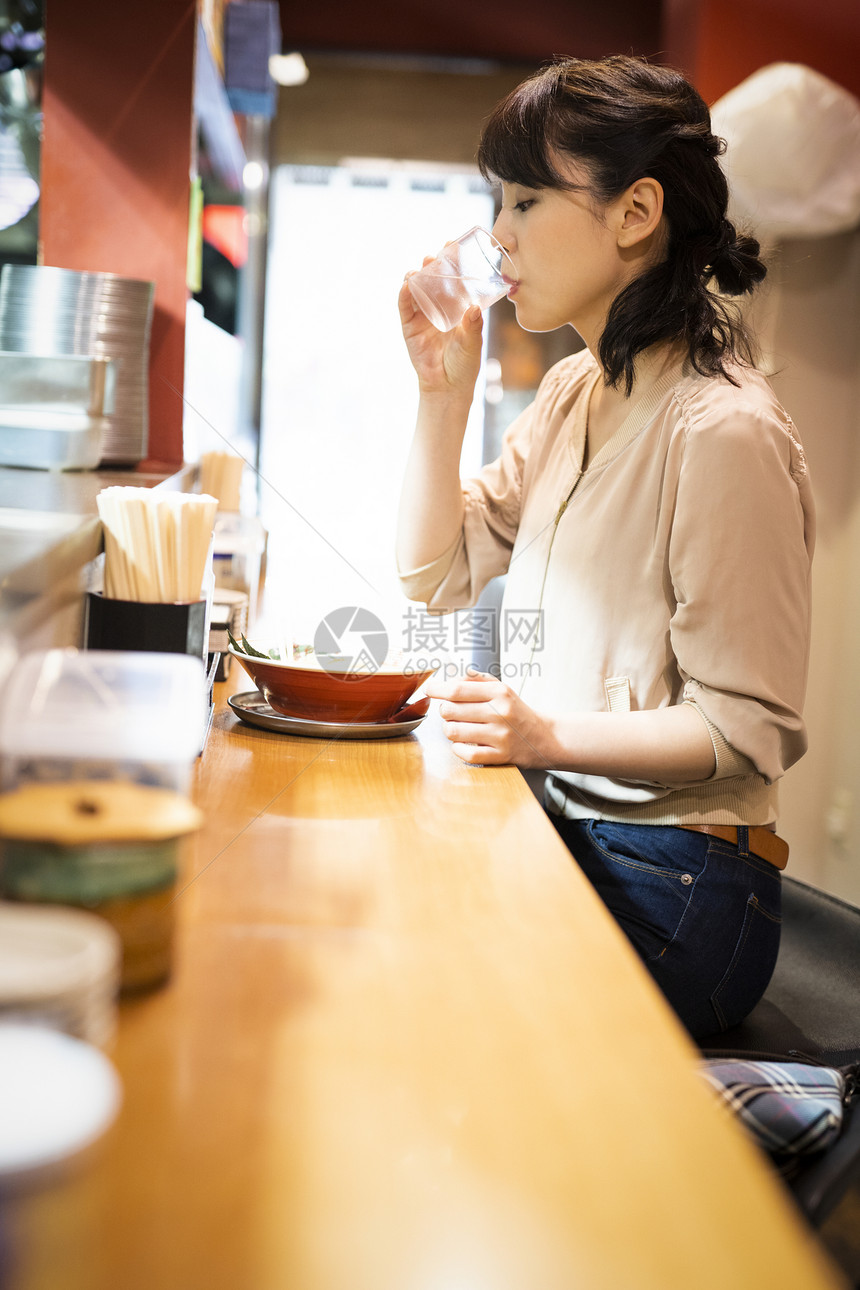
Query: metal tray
[(252, 708)]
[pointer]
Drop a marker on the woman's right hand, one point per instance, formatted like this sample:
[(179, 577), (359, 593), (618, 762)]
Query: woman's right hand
[(446, 362), (431, 498)]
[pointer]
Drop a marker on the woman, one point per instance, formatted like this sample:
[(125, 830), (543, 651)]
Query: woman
[(652, 512)]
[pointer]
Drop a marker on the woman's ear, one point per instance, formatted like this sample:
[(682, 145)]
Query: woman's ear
[(639, 211)]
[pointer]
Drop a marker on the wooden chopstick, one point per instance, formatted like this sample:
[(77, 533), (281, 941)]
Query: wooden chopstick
[(157, 545)]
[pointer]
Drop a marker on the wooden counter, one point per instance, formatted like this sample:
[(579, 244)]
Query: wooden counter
[(405, 1048)]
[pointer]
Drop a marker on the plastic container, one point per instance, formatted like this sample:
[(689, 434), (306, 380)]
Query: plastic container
[(99, 714), (57, 1096), (237, 554), (60, 968), (112, 849)]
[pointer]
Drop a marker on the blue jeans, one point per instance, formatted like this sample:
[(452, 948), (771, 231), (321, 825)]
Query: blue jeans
[(703, 915)]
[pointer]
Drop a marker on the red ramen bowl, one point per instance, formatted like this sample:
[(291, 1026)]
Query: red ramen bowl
[(305, 688)]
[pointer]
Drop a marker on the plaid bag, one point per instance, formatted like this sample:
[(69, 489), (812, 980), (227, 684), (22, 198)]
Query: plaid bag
[(791, 1109)]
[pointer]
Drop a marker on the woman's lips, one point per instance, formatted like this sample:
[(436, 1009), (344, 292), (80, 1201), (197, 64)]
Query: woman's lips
[(512, 284)]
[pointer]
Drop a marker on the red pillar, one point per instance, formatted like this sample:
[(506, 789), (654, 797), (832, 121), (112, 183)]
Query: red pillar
[(719, 43), (117, 155)]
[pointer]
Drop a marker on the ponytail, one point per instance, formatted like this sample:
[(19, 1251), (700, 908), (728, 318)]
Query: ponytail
[(674, 301)]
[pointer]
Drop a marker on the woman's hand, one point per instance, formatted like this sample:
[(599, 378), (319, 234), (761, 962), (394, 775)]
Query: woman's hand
[(489, 725), (431, 507), (446, 362)]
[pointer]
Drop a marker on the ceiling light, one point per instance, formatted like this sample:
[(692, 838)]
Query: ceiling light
[(288, 69), (253, 175)]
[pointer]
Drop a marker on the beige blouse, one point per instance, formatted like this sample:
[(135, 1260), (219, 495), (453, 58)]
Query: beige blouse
[(675, 568)]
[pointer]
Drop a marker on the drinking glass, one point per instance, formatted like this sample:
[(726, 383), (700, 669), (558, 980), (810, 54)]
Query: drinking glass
[(473, 269)]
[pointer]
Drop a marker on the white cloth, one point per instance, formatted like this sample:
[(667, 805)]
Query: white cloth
[(793, 153)]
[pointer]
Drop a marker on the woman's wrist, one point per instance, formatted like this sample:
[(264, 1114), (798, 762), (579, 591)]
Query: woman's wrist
[(442, 420), (443, 400)]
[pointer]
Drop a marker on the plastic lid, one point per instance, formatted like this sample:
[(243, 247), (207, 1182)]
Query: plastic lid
[(77, 812), (48, 952), (57, 1095), (95, 704)]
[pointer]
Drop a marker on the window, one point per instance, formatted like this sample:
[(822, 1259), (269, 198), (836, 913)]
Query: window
[(339, 393)]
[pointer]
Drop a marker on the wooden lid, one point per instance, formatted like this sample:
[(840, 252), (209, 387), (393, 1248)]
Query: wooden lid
[(81, 811)]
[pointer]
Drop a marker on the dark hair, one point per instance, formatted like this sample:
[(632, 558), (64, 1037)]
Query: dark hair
[(621, 119)]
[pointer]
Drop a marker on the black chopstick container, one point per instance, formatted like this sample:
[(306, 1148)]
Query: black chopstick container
[(179, 628)]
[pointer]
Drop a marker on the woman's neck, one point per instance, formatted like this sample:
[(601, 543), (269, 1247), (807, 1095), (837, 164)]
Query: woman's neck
[(609, 407)]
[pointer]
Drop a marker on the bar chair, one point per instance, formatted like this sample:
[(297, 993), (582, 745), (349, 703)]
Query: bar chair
[(811, 1008)]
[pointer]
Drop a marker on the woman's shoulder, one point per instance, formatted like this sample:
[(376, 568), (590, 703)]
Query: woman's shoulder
[(741, 414), (742, 389)]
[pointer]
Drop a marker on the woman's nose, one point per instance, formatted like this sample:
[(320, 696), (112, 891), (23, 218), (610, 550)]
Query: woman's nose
[(502, 234), (502, 231)]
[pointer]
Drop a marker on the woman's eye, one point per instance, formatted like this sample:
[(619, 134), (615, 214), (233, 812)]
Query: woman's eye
[(524, 205)]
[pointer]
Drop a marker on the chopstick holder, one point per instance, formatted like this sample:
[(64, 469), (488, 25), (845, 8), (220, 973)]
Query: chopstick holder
[(157, 550), (177, 628)]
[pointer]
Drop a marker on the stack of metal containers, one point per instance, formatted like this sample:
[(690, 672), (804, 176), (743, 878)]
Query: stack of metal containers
[(55, 312)]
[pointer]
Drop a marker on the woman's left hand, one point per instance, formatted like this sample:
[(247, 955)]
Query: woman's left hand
[(488, 724)]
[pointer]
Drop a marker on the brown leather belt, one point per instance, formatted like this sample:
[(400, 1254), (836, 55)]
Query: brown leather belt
[(762, 842)]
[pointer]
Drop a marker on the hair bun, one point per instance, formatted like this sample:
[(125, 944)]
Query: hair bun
[(735, 262)]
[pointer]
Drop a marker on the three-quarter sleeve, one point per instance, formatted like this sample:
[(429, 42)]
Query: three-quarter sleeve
[(482, 549), (739, 563)]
